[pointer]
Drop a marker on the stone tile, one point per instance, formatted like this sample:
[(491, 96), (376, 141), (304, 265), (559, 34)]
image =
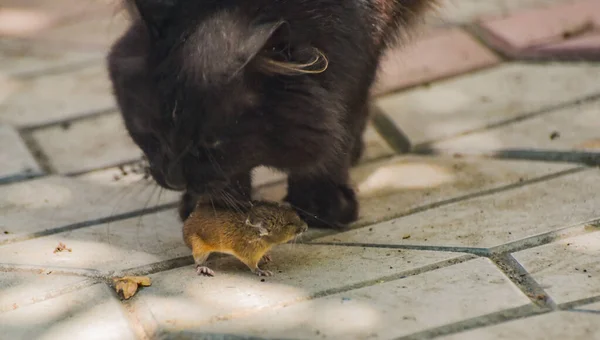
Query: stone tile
[(88, 144), (582, 48), (385, 310), (90, 313), (493, 220), (394, 187), (552, 326), (540, 26), (57, 97), (465, 11), (442, 53), (119, 176), (15, 159), (30, 18), (568, 269), (20, 56), (16, 22), (180, 299), (474, 101), (20, 288), (97, 32), (564, 129), (40, 205), (117, 245)]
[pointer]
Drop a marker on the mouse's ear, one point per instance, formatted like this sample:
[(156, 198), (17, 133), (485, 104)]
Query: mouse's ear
[(262, 231), (153, 13)]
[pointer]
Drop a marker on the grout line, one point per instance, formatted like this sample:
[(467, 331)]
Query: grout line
[(47, 295), (21, 177), (389, 131), (523, 280), (37, 153), (365, 223), (394, 277), (585, 311), (156, 267), (70, 120), (48, 270), (476, 32), (436, 80), (469, 250), (90, 223), (62, 69), (478, 322), (579, 303), (581, 228), (588, 158), (545, 110)]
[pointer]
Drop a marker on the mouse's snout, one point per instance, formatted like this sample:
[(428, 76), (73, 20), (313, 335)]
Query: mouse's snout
[(303, 228)]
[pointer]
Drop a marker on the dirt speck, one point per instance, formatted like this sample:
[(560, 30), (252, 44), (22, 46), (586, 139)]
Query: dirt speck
[(406, 237), (554, 135)]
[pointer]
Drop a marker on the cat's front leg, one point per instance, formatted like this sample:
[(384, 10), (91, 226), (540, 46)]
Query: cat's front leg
[(235, 195), (324, 202)]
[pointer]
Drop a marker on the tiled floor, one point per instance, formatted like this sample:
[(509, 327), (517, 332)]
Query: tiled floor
[(488, 229)]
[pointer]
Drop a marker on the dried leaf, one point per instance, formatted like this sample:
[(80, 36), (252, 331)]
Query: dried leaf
[(128, 285), (61, 247), (140, 280)]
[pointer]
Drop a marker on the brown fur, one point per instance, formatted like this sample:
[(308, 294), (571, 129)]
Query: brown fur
[(247, 236)]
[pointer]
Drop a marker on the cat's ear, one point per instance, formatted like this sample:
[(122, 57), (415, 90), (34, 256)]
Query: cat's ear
[(261, 35), (154, 13), (274, 52)]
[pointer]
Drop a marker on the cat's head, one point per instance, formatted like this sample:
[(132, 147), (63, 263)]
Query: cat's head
[(231, 88)]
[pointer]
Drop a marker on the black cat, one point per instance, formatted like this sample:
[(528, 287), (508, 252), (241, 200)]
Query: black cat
[(211, 89)]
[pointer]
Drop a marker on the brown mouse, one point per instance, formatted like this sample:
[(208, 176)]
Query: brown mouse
[(246, 235)]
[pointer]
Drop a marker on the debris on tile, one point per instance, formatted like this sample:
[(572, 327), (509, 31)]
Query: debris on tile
[(591, 144), (62, 247), (128, 285), (580, 29), (554, 135), (406, 237)]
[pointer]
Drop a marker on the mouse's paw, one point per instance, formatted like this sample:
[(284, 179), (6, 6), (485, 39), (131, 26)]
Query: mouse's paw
[(266, 259), (261, 272), (203, 270)]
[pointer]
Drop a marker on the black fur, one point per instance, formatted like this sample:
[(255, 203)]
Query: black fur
[(190, 79)]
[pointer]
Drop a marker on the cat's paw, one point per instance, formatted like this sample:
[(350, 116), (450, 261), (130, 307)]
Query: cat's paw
[(325, 206)]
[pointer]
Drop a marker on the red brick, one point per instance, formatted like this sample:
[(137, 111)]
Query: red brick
[(542, 32), (585, 47), (29, 18), (442, 53)]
